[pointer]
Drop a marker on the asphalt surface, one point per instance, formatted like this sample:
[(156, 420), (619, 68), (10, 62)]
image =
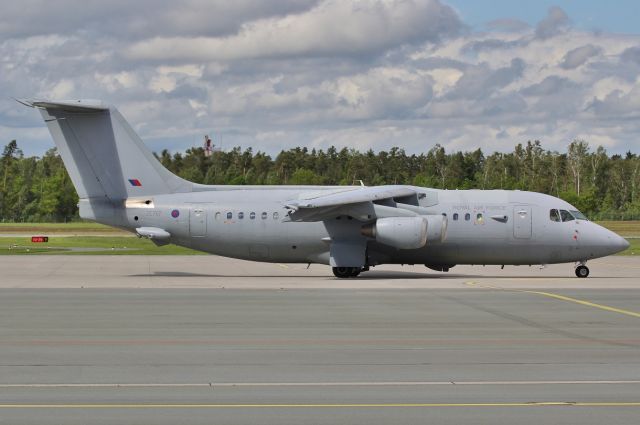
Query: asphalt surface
[(225, 341)]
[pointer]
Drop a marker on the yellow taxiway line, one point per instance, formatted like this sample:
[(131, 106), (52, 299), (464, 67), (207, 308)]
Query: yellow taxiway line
[(561, 297)]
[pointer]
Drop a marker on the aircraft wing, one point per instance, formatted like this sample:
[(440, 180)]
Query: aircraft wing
[(358, 203)]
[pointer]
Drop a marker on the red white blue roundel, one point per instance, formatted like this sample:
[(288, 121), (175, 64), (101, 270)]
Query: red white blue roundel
[(175, 213)]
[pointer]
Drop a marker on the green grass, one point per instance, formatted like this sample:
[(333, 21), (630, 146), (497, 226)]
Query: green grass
[(90, 245), (81, 227), (623, 228), (634, 249)]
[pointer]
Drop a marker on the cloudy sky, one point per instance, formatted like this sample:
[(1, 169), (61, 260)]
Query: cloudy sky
[(364, 74)]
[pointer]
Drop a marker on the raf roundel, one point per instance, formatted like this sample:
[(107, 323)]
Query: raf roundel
[(175, 213)]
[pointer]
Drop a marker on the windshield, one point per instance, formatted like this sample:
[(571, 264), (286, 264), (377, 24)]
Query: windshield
[(578, 215), (566, 216)]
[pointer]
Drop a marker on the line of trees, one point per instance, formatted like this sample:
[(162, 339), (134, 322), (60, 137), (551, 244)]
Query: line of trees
[(602, 186)]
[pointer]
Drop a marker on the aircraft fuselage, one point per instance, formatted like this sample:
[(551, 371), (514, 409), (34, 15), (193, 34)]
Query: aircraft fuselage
[(484, 227)]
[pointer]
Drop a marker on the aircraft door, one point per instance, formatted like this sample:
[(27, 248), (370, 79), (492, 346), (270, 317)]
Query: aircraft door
[(522, 222), (197, 221)]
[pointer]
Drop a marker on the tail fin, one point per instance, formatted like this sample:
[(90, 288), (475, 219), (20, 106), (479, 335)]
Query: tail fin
[(105, 158)]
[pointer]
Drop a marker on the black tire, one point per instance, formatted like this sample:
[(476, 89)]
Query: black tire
[(345, 272), (582, 271), (342, 272), (355, 271)]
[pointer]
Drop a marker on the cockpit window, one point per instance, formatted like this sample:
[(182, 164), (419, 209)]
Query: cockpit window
[(554, 215), (578, 215), (566, 215)]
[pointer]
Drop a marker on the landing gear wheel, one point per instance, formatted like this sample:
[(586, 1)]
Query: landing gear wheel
[(345, 272), (582, 271)]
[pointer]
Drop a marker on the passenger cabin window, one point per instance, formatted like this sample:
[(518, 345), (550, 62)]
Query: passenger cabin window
[(479, 218), (455, 216), (264, 215), (566, 215), (554, 215), (229, 216), (252, 216), (218, 216), (240, 215), (467, 217), (276, 215)]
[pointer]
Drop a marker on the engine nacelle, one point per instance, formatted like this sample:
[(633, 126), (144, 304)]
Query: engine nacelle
[(408, 232), (399, 232)]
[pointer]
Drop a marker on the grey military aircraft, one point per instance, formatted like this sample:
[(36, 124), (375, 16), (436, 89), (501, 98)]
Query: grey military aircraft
[(351, 228)]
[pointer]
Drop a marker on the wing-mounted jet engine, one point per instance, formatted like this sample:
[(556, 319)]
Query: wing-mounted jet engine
[(407, 232), (398, 232)]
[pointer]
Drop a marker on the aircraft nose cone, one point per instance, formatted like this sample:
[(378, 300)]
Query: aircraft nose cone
[(617, 243), (624, 244), (602, 242)]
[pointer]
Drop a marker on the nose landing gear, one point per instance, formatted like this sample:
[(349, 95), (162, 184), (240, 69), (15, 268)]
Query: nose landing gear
[(582, 270)]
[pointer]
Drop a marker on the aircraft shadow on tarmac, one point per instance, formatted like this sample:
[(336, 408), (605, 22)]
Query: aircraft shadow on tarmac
[(368, 276), (413, 275), (375, 275), (372, 275)]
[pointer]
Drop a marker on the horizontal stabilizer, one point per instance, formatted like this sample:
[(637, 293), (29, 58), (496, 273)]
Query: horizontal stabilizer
[(69, 105)]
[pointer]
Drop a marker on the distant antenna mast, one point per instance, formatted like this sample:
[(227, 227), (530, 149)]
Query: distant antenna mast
[(208, 146)]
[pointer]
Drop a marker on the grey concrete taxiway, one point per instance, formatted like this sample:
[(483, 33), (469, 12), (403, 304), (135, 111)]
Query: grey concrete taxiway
[(130, 339)]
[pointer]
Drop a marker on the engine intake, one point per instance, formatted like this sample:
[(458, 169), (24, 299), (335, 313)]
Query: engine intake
[(437, 230)]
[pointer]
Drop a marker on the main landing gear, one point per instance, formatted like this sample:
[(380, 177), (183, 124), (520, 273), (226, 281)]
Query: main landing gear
[(345, 272), (582, 270)]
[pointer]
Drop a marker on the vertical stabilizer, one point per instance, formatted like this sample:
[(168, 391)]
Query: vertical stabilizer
[(105, 158)]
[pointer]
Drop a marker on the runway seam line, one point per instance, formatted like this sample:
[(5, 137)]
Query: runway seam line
[(314, 384), (560, 297), (319, 405)]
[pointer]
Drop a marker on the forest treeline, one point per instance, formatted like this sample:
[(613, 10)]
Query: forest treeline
[(602, 186)]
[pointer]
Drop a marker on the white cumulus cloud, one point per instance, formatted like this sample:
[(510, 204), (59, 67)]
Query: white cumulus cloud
[(284, 73)]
